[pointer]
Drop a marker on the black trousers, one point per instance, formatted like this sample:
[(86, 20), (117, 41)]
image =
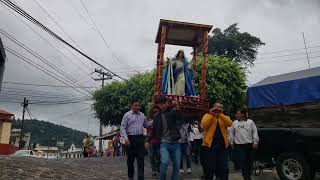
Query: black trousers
[(85, 154), (245, 159), (202, 159), (123, 150), (154, 155), (136, 150), (185, 152), (196, 149), (215, 162)]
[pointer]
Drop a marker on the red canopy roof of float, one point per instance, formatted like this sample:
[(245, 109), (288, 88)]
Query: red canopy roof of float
[(183, 33), (6, 112), (5, 116)]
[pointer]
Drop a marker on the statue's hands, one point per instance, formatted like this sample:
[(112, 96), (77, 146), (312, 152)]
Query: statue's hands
[(175, 104), (167, 60)]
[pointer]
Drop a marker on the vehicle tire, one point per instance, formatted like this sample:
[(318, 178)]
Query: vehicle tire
[(293, 166)]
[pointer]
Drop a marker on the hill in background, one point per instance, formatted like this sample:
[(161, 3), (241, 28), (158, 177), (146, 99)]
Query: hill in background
[(46, 133)]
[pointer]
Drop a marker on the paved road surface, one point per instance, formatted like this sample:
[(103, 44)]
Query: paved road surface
[(85, 168)]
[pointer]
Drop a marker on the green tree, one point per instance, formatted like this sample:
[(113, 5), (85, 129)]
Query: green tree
[(225, 83), (239, 47), (111, 102), (114, 99)]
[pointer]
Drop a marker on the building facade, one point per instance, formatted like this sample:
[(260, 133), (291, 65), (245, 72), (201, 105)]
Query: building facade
[(5, 129), (72, 152), (49, 152), (15, 138)]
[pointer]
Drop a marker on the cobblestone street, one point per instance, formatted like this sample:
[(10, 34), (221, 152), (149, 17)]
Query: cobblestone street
[(89, 168)]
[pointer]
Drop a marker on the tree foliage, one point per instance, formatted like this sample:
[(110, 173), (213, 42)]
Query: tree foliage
[(225, 83), (116, 97), (239, 47)]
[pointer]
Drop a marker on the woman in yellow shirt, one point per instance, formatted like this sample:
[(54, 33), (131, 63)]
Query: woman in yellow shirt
[(215, 143)]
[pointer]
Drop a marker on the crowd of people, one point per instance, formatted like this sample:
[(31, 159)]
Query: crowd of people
[(114, 147), (170, 138)]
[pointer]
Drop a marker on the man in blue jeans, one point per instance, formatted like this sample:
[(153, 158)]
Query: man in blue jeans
[(166, 125)]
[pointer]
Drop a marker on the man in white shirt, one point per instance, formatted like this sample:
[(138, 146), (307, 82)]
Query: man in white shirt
[(244, 138)]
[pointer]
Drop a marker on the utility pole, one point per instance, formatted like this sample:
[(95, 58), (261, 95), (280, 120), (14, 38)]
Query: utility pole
[(105, 76), (305, 47), (24, 105)]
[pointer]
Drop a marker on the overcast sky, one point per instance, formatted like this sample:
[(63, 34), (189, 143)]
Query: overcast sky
[(129, 28)]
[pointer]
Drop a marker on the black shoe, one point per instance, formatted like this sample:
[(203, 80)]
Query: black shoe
[(130, 178), (202, 177)]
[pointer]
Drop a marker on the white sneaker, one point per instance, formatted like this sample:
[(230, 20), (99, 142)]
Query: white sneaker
[(181, 171), (189, 170)]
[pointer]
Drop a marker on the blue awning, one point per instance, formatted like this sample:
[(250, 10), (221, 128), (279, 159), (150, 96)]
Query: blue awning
[(287, 89)]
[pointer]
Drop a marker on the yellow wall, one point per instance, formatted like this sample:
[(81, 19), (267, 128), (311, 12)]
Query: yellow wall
[(5, 132), (0, 130)]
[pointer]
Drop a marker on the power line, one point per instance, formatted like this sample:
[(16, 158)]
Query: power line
[(40, 98), (95, 25), (137, 72), (287, 50), (28, 91), (35, 94), (45, 85), (43, 69), (57, 102), (59, 118), (42, 59), (99, 32), (305, 47), (39, 67), (39, 35), (42, 8), (28, 111), (52, 104), (14, 94), (137, 67), (47, 41), (82, 17), (40, 95), (23, 13), (286, 55), (88, 80), (297, 59), (31, 114), (45, 100), (69, 114), (8, 101), (81, 78)]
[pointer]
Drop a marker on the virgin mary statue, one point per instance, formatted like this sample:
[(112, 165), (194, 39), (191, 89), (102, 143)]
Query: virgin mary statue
[(178, 76)]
